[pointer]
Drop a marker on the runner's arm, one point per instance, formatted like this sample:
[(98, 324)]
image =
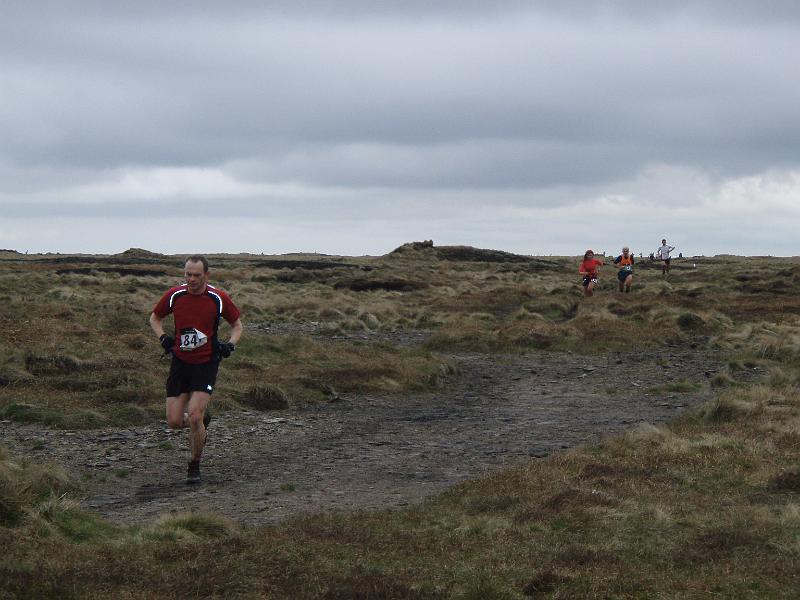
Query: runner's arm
[(236, 331), (157, 325)]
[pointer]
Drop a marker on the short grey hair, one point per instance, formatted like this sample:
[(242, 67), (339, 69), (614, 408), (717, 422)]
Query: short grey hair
[(199, 258)]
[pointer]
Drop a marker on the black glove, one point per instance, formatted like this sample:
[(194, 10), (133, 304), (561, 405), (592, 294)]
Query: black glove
[(225, 349), (167, 342)]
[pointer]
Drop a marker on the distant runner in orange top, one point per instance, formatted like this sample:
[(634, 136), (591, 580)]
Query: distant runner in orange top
[(588, 268), (625, 274)]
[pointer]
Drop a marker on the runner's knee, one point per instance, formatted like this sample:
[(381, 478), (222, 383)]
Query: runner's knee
[(175, 421), (195, 417)]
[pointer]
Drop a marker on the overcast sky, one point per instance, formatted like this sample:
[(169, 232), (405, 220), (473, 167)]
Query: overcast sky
[(349, 127)]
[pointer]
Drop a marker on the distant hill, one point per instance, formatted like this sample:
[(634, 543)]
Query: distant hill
[(139, 253), (459, 253)]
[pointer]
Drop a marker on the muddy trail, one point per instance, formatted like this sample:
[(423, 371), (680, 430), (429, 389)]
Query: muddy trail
[(366, 452)]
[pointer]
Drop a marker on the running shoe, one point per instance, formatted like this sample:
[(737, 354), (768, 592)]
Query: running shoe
[(193, 473)]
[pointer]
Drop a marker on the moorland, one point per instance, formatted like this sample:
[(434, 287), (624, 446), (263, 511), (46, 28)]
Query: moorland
[(437, 422)]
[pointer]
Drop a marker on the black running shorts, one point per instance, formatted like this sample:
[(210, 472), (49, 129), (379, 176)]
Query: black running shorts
[(185, 377)]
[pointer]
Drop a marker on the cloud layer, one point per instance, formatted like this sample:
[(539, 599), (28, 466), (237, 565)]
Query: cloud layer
[(359, 125)]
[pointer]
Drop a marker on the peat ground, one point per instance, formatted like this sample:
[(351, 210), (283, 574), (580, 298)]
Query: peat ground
[(371, 451)]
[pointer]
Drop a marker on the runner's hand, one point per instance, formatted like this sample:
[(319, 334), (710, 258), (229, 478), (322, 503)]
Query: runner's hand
[(167, 342), (225, 349)]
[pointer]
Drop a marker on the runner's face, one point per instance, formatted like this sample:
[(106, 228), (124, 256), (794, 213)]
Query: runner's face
[(196, 278)]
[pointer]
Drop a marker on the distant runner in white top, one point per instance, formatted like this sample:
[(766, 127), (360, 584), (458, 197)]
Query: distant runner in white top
[(663, 254)]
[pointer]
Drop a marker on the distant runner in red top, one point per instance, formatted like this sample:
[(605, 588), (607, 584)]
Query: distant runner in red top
[(588, 268), (197, 308)]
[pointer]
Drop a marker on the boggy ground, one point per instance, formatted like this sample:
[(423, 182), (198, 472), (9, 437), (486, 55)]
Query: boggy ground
[(369, 452)]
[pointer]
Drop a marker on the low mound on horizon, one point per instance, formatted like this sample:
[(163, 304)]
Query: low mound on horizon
[(459, 253), (140, 253)]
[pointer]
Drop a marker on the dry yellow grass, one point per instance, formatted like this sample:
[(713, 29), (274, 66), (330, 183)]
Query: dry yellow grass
[(704, 507)]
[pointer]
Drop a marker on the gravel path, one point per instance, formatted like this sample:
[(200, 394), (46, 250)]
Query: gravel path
[(368, 452)]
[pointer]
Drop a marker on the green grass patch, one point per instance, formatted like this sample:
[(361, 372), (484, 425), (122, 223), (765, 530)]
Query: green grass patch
[(683, 386), (81, 527), (190, 527), (704, 507), (695, 508)]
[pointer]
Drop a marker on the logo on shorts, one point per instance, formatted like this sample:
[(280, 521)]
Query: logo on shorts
[(209, 388)]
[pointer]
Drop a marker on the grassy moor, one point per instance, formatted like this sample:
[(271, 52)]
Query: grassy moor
[(438, 422)]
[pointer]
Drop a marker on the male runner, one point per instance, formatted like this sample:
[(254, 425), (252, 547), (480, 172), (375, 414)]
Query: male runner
[(625, 273), (196, 353), (663, 254)]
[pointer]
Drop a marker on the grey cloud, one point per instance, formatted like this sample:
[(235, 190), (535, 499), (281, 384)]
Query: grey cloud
[(472, 164), (765, 10), (451, 94), (272, 209)]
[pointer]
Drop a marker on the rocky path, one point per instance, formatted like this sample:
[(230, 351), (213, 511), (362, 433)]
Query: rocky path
[(368, 451)]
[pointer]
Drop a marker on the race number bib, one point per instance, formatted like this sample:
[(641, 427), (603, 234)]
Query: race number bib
[(628, 268), (192, 339)]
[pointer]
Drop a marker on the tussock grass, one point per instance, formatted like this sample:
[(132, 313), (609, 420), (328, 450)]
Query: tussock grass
[(681, 387), (265, 397), (725, 409), (306, 369), (29, 490), (705, 506), (89, 362), (87, 346), (765, 340), (189, 527)]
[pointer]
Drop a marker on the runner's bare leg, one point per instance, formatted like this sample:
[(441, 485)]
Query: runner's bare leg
[(176, 406), (197, 431)]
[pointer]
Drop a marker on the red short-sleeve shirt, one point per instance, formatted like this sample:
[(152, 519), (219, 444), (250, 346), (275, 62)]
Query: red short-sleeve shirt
[(196, 316), (590, 267)]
